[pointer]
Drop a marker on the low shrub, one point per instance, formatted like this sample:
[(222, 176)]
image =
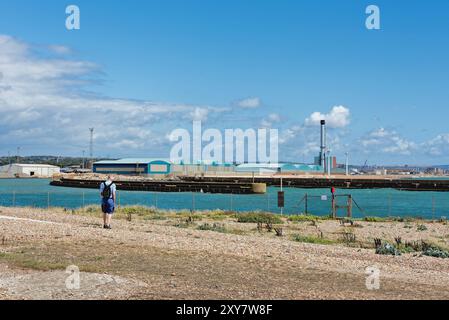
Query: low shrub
[(348, 237), (422, 227), (212, 227), (259, 217), (387, 249), (433, 251)]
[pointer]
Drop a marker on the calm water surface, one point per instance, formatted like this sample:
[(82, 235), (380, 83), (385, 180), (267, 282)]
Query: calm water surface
[(379, 202)]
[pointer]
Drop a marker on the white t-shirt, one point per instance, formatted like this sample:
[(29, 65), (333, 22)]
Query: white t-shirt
[(108, 183)]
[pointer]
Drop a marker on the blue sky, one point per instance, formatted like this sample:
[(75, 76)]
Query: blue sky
[(197, 58)]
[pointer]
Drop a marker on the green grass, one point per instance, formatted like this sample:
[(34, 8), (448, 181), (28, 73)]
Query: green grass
[(309, 239), (306, 218), (375, 219), (138, 210), (24, 260)]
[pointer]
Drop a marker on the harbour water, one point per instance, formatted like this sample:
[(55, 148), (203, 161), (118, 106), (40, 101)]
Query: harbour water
[(372, 202)]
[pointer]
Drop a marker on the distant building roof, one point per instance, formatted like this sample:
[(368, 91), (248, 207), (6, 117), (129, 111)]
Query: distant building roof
[(31, 165), (259, 165), (132, 161)]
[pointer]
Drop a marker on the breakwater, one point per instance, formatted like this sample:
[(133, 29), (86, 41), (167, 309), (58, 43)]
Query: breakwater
[(169, 186), (341, 183)]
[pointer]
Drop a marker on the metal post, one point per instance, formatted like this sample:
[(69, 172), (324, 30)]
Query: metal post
[(84, 200), (349, 206), (48, 200), (282, 209), (232, 206), (334, 208), (13, 198), (306, 204), (323, 146), (193, 201)]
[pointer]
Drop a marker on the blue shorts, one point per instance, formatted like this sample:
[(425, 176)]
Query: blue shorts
[(107, 206)]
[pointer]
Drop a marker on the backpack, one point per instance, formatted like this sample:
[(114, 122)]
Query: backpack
[(106, 194)]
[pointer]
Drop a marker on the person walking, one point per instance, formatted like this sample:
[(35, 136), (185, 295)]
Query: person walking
[(108, 196)]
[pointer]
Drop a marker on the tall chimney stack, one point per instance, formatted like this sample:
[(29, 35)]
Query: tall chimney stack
[(323, 145)]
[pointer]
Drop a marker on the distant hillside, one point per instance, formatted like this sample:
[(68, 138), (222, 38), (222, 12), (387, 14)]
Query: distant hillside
[(52, 160)]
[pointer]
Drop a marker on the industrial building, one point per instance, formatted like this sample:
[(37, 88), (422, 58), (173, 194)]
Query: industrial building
[(29, 170), (202, 167), (145, 166), (155, 167), (151, 166)]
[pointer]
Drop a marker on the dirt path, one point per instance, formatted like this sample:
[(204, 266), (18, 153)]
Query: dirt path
[(154, 260)]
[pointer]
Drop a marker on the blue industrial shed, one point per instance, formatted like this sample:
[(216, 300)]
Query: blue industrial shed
[(144, 166)]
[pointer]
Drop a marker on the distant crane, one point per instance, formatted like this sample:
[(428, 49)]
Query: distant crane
[(364, 166)]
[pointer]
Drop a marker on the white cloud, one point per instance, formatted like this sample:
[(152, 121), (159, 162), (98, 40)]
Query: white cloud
[(249, 103), (387, 141), (58, 49), (270, 120), (43, 106), (338, 117), (199, 114), (437, 146)]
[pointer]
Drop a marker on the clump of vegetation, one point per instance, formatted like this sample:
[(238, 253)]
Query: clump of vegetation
[(374, 219), (434, 251), (216, 227), (259, 217), (390, 219), (421, 227), (309, 239), (348, 237), (409, 247), (387, 249), (305, 218), (190, 220)]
